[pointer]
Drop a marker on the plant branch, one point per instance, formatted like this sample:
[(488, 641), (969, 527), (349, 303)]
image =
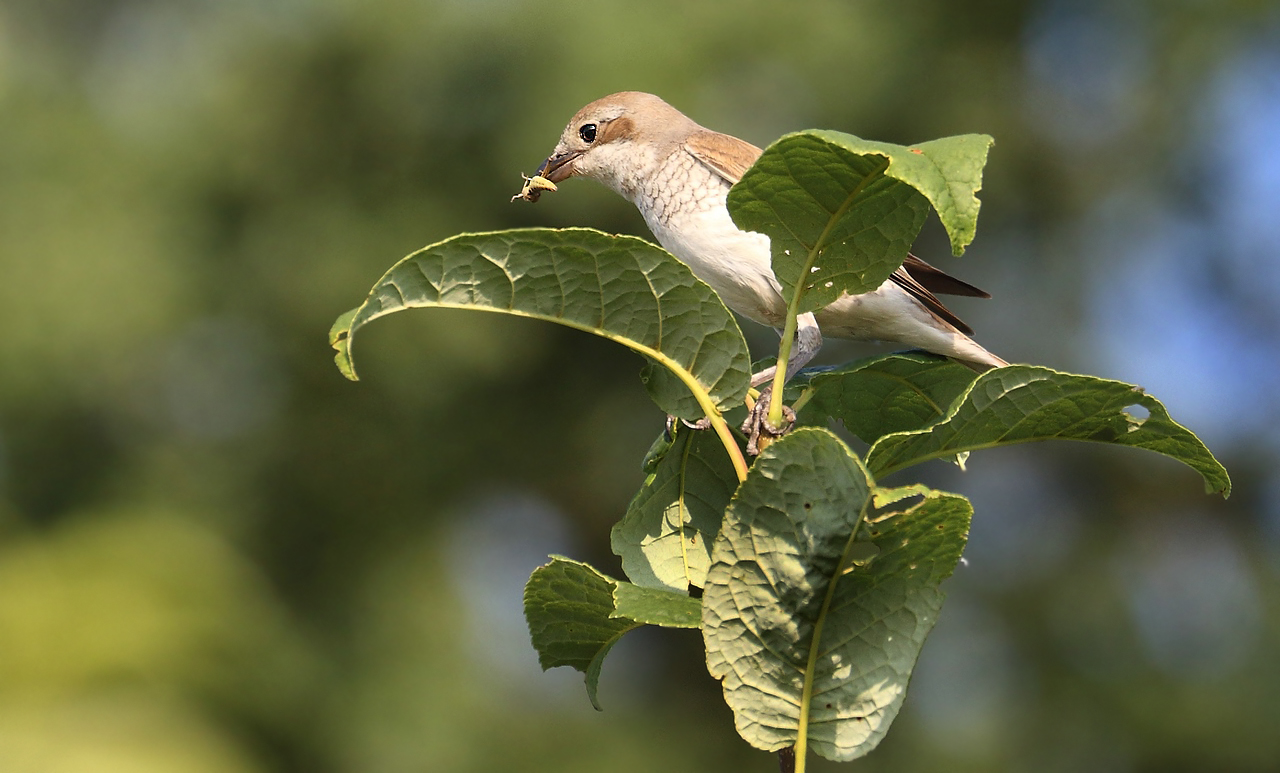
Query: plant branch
[(797, 294), (780, 373)]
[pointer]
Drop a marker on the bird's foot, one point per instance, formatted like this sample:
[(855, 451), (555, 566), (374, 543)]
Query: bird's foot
[(703, 423), (758, 426)]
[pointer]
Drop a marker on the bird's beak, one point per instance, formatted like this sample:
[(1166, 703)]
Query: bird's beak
[(559, 166)]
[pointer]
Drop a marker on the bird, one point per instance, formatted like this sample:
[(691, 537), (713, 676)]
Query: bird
[(678, 174)]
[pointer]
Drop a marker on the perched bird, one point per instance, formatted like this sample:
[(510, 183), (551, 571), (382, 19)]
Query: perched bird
[(678, 175)]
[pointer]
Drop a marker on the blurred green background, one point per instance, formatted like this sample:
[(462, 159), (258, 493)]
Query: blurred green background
[(217, 556)]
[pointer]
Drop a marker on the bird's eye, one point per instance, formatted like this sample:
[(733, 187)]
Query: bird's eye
[(587, 132)]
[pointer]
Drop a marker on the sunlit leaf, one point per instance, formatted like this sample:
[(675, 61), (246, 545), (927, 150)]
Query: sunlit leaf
[(664, 540), (815, 633), (1023, 403)]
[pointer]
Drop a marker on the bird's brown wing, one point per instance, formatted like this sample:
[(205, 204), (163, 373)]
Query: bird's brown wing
[(727, 156), (938, 281), (930, 301)]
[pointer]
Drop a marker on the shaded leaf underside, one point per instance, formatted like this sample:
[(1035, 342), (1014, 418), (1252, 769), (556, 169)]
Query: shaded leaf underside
[(890, 393), (576, 614), (618, 287)]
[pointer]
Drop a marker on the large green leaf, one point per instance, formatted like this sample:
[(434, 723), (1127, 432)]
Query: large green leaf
[(813, 632), (619, 287), (889, 393), (665, 538), (1023, 403), (841, 212), (576, 615)]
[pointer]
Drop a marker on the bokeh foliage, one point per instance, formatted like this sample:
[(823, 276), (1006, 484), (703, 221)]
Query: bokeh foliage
[(217, 555)]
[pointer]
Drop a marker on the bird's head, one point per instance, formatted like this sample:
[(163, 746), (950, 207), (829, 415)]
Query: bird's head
[(617, 140)]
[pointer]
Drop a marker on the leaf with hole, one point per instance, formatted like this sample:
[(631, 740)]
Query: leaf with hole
[(1024, 403), (841, 212)]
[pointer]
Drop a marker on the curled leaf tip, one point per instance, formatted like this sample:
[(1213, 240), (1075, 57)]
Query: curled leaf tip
[(340, 340)]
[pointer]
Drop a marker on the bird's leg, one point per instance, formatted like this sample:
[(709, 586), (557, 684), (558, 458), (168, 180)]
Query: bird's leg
[(808, 342), (703, 423)]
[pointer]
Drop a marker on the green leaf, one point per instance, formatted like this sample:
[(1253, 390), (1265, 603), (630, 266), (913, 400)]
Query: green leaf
[(814, 649), (842, 212), (657, 452), (665, 538), (619, 287), (1024, 403), (669, 392), (890, 393), (574, 619), (949, 172), (340, 339), (652, 606)]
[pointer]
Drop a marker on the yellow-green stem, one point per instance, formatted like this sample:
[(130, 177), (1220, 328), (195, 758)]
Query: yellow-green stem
[(722, 430), (803, 399), (780, 373), (793, 306), (730, 444)]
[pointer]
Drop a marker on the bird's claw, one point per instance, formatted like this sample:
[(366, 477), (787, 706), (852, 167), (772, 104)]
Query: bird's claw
[(703, 423), (758, 425)]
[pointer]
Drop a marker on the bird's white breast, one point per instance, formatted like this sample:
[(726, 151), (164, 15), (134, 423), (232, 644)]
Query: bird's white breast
[(683, 203)]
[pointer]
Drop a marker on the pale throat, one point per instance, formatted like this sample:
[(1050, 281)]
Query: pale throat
[(663, 183), (625, 167)]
